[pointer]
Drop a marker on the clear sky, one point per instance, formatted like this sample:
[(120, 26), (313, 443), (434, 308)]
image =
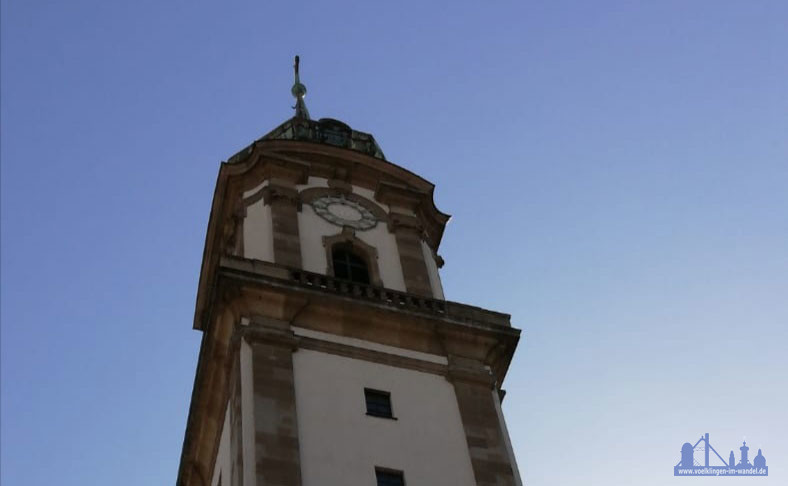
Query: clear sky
[(617, 174)]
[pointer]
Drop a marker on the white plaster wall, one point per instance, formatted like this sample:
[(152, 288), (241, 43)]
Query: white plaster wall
[(223, 464), (258, 232), (340, 445), (432, 271), (312, 228)]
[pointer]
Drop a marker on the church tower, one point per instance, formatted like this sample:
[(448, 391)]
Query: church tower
[(329, 355)]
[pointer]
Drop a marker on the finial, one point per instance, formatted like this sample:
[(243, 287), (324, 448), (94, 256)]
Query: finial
[(299, 91)]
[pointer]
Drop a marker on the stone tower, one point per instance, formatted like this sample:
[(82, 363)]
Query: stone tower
[(329, 356)]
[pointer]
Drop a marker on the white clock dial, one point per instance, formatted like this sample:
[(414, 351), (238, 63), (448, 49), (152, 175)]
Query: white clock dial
[(344, 212)]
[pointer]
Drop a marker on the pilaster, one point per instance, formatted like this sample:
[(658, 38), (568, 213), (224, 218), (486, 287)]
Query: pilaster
[(284, 202), (407, 232), (276, 450), (473, 385), (236, 427)]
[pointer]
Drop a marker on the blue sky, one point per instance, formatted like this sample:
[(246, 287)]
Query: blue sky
[(616, 172)]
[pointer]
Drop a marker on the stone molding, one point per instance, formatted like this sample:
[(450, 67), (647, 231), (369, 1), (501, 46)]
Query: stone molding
[(322, 303), (248, 271), (370, 355), (254, 197), (340, 183), (469, 371), (271, 193), (405, 222), (274, 336), (398, 195)]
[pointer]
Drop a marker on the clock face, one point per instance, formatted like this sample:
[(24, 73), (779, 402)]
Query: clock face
[(344, 212)]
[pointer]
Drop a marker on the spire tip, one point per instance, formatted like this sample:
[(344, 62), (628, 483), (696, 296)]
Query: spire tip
[(299, 91)]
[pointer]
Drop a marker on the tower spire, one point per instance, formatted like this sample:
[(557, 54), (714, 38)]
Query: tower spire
[(299, 91)]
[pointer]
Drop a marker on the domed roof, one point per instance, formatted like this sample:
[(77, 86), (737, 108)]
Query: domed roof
[(327, 131)]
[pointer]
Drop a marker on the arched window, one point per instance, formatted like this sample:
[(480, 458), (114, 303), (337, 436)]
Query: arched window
[(348, 264)]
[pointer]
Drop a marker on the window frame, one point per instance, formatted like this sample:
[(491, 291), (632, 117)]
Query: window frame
[(351, 263), (382, 393), (389, 471), (366, 252)]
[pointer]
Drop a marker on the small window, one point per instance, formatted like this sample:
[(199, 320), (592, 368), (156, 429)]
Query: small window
[(348, 265), (378, 403), (389, 477)]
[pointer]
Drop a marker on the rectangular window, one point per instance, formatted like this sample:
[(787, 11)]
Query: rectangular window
[(378, 403), (389, 477)]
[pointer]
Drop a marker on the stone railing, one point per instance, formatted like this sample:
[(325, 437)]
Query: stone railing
[(385, 296), (374, 294)]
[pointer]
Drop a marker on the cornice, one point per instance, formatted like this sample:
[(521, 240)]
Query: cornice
[(300, 159), (457, 329)]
